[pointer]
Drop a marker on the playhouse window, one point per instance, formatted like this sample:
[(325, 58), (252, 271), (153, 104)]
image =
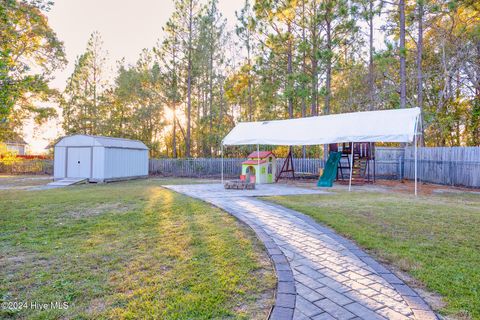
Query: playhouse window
[(270, 169)]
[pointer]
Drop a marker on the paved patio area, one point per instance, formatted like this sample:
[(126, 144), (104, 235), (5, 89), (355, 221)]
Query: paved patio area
[(321, 275), (216, 190)]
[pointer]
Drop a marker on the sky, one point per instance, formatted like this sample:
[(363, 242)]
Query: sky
[(126, 27)]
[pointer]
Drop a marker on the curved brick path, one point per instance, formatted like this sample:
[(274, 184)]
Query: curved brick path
[(332, 277)]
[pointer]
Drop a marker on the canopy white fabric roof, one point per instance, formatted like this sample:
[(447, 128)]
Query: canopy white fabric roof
[(396, 125)]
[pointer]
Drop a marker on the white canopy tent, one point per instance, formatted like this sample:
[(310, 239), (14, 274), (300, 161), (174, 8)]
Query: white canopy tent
[(398, 125)]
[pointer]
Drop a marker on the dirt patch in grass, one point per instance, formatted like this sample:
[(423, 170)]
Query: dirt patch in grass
[(385, 186), (116, 208), (424, 188), (11, 182), (10, 263), (96, 306), (18, 258)]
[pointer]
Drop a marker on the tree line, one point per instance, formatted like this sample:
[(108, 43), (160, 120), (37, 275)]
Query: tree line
[(284, 59)]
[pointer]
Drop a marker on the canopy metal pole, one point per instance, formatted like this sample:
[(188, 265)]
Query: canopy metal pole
[(415, 164), (351, 169), (415, 141), (221, 148), (258, 165)]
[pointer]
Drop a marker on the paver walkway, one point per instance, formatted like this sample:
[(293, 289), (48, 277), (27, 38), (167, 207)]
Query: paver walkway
[(321, 274)]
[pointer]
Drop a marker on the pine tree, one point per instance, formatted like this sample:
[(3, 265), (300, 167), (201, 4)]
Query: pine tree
[(245, 31), (169, 53), (82, 108)]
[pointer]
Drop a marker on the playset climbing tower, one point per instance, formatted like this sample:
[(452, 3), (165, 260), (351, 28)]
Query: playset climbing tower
[(363, 158)]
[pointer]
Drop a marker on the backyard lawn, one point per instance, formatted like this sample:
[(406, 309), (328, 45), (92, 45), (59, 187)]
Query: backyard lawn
[(435, 238), (128, 250)]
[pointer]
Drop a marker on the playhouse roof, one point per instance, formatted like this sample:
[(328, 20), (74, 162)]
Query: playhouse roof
[(398, 125), (260, 154), (254, 162)]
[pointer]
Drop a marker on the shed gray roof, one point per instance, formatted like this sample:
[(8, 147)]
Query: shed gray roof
[(83, 140)]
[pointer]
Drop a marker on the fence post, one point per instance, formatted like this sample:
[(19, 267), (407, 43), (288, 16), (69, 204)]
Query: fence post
[(401, 167), (450, 171)]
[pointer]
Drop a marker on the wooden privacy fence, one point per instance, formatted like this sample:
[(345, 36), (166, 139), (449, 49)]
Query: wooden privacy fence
[(212, 167), (458, 166), (199, 167), (306, 166)]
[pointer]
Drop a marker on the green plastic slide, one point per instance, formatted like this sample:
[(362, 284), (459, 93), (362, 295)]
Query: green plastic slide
[(330, 171)]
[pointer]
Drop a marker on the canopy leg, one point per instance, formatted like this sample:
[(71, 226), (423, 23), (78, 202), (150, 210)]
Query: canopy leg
[(257, 173), (415, 141), (351, 169), (221, 148)]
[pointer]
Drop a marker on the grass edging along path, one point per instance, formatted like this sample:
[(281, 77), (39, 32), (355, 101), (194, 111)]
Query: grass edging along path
[(436, 239), (129, 250)]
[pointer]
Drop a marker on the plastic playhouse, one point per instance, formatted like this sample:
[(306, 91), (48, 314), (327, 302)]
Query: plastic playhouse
[(260, 167)]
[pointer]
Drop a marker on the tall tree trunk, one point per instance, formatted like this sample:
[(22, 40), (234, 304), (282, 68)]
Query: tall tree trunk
[(174, 142), (210, 89), (249, 79), (198, 136), (371, 83), (403, 54), (328, 80), (94, 110), (304, 71), (475, 120), (221, 101), (290, 73), (419, 68), (189, 79), (314, 105), (175, 88), (85, 110), (289, 77)]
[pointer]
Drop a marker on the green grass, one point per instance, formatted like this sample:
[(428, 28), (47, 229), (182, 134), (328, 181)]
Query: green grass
[(126, 251), (436, 239)]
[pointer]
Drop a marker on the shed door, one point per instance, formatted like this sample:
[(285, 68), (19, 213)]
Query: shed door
[(79, 162)]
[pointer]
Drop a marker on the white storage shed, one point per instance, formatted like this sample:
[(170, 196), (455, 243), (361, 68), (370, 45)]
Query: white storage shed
[(100, 159)]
